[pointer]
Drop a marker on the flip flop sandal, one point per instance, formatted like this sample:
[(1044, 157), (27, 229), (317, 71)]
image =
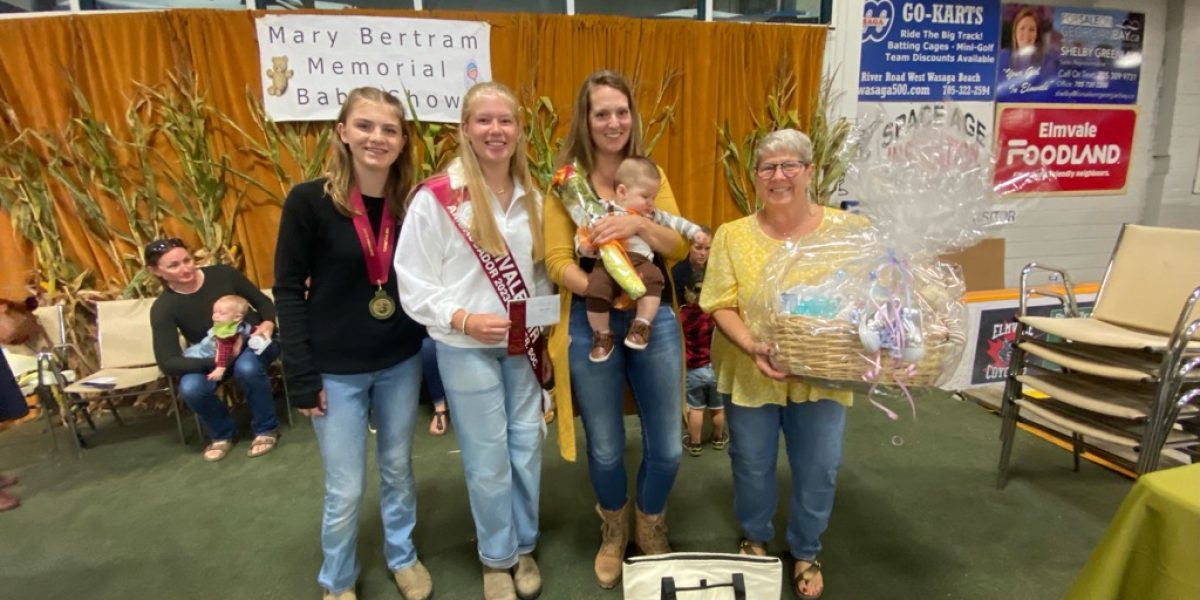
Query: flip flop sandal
[(263, 444), (749, 548), (439, 421), (805, 576), (217, 450)]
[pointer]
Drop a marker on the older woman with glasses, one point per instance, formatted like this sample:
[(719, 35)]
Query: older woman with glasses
[(760, 401), (186, 308)]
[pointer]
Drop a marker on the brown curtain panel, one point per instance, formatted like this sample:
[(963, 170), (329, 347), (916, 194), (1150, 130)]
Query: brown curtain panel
[(723, 73)]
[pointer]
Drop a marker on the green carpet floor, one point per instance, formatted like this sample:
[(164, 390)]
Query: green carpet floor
[(917, 515)]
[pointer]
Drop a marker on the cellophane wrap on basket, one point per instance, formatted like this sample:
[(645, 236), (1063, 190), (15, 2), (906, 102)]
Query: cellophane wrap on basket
[(838, 307), (873, 304), (585, 208)]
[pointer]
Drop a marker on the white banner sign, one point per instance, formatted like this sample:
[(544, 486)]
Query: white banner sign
[(311, 62)]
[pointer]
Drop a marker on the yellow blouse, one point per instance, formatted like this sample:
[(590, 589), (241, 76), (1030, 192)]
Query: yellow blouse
[(560, 253), (740, 251)]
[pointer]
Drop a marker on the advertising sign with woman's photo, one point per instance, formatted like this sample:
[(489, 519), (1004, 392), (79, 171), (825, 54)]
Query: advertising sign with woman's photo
[(1069, 55)]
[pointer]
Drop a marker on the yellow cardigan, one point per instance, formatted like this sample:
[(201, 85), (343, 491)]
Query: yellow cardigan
[(560, 253)]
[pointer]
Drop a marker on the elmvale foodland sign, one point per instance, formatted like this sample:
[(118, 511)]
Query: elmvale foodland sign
[(309, 63)]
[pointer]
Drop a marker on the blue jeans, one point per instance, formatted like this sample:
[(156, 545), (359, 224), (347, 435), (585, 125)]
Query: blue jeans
[(812, 433), (390, 396), (497, 409), (656, 376), (249, 369), (429, 370)]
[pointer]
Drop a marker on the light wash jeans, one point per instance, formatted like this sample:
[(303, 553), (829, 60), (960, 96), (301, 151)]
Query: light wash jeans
[(812, 433), (656, 376), (250, 371), (496, 403), (390, 397)]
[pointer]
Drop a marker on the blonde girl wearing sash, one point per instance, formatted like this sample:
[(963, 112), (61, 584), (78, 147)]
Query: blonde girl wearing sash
[(347, 350), (494, 397)]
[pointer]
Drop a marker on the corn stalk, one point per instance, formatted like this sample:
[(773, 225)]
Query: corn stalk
[(201, 184), (305, 143), (92, 165), (833, 143), (737, 154), (662, 114), (435, 143), (541, 119), (26, 197)]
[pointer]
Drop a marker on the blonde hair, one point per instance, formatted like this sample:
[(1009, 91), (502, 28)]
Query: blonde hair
[(233, 302), (339, 167), (578, 144), (484, 230)]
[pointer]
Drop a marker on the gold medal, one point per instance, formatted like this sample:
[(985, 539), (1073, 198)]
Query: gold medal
[(382, 306)]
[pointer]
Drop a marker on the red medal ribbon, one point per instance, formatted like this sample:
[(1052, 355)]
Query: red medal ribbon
[(377, 253)]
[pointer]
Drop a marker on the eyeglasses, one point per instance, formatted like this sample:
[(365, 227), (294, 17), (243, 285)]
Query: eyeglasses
[(789, 169), (163, 245)]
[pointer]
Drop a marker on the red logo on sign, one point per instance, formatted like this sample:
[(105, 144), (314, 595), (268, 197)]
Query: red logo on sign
[(1056, 149)]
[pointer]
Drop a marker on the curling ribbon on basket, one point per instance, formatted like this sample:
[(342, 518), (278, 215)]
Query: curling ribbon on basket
[(889, 334)]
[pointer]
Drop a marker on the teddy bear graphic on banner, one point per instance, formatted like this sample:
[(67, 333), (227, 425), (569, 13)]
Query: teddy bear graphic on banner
[(279, 73)]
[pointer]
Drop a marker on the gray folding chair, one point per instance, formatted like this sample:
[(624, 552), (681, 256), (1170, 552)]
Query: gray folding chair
[(127, 364), (1124, 375)]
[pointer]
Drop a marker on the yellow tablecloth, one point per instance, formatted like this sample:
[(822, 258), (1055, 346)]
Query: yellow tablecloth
[(1152, 548)]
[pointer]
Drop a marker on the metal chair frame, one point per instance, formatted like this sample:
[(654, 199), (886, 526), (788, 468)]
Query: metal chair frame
[(1176, 367)]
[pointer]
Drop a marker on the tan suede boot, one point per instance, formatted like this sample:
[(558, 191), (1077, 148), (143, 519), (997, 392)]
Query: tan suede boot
[(651, 533), (527, 578), (343, 595), (614, 536), (498, 584), (414, 582)]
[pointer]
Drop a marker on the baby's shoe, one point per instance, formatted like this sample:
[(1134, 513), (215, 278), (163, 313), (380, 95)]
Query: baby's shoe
[(914, 341), (639, 335), (602, 346)]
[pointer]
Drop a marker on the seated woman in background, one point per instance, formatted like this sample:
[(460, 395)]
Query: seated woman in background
[(186, 308)]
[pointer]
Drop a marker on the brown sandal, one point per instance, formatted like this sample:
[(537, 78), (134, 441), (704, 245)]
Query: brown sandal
[(749, 548), (438, 425), (217, 450), (805, 576), (263, 444)]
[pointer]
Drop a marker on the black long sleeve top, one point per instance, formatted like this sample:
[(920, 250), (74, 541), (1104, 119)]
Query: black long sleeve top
[(174, 313), (323, 293)]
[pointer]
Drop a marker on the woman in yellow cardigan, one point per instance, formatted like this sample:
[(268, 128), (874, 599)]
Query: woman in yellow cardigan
[(604, 131)]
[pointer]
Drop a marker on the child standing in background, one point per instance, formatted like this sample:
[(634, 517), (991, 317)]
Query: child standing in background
[(697, 335)]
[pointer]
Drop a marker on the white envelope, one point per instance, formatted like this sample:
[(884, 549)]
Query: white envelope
[(540, 310)]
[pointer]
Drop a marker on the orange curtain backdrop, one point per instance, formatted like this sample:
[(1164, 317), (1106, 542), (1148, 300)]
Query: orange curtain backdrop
[(724, 73)]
